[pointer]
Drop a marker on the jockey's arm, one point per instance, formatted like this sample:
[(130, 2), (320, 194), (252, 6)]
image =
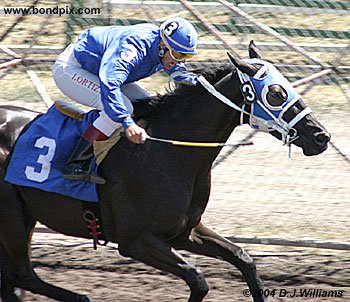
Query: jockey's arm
[(180, 74), (114, 71)]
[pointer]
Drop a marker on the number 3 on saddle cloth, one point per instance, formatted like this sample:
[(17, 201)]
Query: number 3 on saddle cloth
[(41, 152)]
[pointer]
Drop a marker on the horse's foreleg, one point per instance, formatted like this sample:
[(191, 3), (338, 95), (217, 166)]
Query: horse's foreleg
[(204, 241), (156, 252)]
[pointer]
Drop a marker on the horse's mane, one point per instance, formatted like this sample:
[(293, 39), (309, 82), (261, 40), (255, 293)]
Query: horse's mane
[(160, 103), (212, 75)]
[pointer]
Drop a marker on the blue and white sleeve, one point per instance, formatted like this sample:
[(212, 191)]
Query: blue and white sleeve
[(180, 74), (114, 71)]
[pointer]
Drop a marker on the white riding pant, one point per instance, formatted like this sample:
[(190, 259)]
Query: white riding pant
[(83, 87)]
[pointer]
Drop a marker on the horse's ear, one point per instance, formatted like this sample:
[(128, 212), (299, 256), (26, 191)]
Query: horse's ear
[(254, 51), (243, 66)]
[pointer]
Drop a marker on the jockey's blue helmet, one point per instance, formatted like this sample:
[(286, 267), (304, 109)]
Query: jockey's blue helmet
[(180, 37)]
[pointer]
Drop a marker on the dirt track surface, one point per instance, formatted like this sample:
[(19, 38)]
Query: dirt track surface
[(257, 191), (105, 276)]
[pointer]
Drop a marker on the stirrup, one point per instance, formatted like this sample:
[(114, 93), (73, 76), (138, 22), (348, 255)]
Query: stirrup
[(76, 171)]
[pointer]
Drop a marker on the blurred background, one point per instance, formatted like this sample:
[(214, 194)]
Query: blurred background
[(302, 37)]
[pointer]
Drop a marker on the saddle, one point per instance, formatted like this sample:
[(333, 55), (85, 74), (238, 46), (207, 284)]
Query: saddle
[(69, 109)]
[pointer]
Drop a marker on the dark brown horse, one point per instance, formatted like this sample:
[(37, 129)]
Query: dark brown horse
[(155, 193)]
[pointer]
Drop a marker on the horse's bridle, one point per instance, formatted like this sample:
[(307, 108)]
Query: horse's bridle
[(289, 134)]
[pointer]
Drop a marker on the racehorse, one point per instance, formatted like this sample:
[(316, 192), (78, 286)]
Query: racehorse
[(156, 193)]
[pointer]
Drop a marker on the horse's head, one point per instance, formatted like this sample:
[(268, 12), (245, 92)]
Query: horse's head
[(274, 106)]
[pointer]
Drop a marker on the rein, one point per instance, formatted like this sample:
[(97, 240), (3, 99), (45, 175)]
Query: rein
[(196, 144)]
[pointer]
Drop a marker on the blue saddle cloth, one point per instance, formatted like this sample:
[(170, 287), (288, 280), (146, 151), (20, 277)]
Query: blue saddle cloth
[(41, 152)]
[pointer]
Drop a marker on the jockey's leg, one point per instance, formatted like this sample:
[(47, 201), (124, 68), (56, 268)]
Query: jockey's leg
[(84, 87), (78, 84), (78, 166)]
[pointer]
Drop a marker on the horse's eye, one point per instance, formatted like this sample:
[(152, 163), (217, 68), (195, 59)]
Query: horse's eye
[(276, 95)]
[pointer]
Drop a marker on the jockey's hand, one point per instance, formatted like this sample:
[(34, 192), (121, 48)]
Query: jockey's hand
[(136, 134)]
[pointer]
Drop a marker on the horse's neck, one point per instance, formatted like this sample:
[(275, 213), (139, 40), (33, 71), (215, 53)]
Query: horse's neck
[(204, 117), (227, 118)]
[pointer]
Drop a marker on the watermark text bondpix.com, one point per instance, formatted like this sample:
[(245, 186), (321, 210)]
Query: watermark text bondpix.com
[(295, 293), (55, 10)]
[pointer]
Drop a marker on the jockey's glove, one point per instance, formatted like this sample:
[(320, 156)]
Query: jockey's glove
[(188, 78)]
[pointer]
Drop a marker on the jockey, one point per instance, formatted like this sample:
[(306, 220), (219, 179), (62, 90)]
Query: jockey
[(101, 69)]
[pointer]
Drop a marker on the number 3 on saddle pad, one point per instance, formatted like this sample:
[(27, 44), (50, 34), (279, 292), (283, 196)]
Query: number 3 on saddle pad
[(41, 152), (44, 160)]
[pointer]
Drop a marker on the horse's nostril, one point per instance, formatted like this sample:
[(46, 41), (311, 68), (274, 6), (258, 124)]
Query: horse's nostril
[(323, 138)]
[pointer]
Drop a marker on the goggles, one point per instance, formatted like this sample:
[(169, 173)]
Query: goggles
[(178, 56)]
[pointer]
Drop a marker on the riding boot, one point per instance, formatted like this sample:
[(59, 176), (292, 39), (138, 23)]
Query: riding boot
[(80, 163)]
